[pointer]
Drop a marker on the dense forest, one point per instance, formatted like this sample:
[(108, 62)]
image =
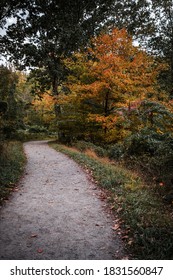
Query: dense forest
[(98, 76)]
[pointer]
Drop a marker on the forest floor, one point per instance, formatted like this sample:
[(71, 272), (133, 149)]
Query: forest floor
[(56, 212)]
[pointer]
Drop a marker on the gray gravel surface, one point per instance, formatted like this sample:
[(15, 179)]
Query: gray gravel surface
[(56, 213)]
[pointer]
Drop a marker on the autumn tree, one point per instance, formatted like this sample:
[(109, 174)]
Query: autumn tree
[(151, 23), (115, 77)]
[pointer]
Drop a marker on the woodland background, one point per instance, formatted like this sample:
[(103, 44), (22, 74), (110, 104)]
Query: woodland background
[(97, 76)]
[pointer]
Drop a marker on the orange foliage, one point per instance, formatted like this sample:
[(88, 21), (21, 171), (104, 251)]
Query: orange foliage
[(119, 75), (44, 107), (121, 67), (46, 102)]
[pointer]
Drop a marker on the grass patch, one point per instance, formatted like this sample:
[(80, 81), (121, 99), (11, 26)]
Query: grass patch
[(12, 161), (144, 215)]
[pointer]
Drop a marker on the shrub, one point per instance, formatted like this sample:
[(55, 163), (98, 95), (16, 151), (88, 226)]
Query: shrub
[(12, 160), (116, 151), (83, 146), (152, 153), (145, 141), (37, 129)]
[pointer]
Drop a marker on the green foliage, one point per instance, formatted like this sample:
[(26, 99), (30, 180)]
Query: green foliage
[(116, 151), (84, 146), (37, 129), (7, 80), (149, 152), (156, 115), (12, 160), (144, 142), (52, 30)]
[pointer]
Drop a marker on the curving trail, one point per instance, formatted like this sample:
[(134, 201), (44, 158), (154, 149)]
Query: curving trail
[(55, 213)]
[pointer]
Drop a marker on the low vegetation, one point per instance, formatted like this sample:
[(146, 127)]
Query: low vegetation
[(145, 220), (12, 161)]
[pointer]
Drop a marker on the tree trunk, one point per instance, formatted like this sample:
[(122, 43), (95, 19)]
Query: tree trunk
[(55, 95)]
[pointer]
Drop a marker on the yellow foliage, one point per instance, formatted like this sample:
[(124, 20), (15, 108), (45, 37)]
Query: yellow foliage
[(119, 78), (44, 107)]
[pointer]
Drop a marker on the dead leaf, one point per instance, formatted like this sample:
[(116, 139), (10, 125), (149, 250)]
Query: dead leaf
[(15, 190), (115, 227), (119, 209), (130, 242), (39, 250), (33, 235), (125, 237)]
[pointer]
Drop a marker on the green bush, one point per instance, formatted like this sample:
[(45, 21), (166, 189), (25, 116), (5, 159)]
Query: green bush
[(37, 129), (83, 146), (152, 153), (116, 151), (162, 161), (145, 141)]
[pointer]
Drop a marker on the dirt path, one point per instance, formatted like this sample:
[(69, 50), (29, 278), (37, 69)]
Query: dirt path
[(56, 213)]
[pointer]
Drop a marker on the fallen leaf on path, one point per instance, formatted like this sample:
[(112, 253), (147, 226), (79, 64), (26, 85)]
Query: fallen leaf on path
[(15, 190), (125, 237), (119, 209), (117, 221), (102, 196), (115, 227), (130, 242), (33, 235), (39, 250)]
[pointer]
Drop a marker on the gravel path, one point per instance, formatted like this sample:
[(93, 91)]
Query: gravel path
[(56, 213)]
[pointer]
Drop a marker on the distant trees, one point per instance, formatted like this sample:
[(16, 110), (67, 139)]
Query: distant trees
[(8, 81), (15, 97)]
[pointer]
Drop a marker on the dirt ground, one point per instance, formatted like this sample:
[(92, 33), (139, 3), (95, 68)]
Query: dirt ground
[(55, 213)]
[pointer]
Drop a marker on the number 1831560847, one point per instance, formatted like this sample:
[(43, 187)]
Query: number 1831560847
[(133, 270)]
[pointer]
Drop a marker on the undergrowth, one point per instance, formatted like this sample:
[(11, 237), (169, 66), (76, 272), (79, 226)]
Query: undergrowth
[(143, 214), (12, 161)]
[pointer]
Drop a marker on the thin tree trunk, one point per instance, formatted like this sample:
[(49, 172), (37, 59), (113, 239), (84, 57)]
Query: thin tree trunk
[(55, 95)]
